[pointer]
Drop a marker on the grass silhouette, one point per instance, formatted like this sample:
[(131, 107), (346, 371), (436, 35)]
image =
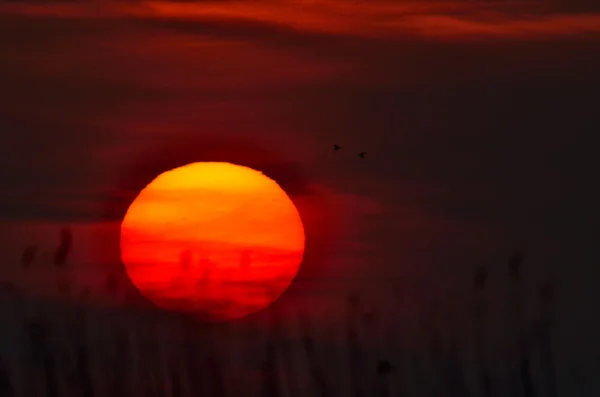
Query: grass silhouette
[(189, 366)]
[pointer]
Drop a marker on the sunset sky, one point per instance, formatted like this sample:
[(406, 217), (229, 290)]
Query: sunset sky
[(479, 119)]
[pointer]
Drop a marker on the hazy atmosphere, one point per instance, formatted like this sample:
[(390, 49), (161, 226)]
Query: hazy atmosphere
[(478, 119)]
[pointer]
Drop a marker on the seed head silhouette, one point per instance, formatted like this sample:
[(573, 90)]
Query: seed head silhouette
[(64, 247), (28, 255)]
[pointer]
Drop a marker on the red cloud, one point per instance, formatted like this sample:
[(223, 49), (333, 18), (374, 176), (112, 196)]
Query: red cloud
[(380, 19)]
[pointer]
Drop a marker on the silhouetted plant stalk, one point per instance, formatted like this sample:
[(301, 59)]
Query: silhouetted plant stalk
[(64, 247), (111, 284), (384, 369), (176, 388), (422, 363), (135, 370), (61, 255), (155, 380), (419, 377), (6, 387), (314, 363), (215, 379), (480, 309), (547, 295), (393, 338), (271, 385), (43, 357), (194, 384), (431, 330), (288, 355), (453, 364), (164, 361), (380, 382), (83, 375), (28, 256), (122, 363), (354, 351), (525, 385), (80, 379)]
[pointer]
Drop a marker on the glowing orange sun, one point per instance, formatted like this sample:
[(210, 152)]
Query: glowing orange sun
[(217, 239)]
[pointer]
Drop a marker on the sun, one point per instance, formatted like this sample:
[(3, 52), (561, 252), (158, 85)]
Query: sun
[(213, 238)]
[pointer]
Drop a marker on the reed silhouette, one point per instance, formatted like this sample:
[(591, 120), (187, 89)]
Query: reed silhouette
[(146, 362), (38, 334), (355, 353), (111, 284), (83, 376), (480, 312), (525, 386), (64, 247), (453, 365), (315, 365), (28, 256), (548, 297), (6, 387), (271, 385)]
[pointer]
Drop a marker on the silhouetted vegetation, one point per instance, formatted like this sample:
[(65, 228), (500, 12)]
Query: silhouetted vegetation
[(548, 295), (315, 365), (354, 351), (28, 256), (112, 283), (6, 388), (480, 312), (64, 247), (191, 366)]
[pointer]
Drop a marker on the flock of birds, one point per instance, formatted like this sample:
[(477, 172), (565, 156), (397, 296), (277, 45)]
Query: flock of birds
[(361, 154)]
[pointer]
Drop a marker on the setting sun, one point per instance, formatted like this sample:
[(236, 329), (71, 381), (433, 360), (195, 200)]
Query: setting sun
[(218, 239)]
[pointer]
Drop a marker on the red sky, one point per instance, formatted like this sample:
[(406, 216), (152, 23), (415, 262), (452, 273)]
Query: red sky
[(383, 19), (477, 118)]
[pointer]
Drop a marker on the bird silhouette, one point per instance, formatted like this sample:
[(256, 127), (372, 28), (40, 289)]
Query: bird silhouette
[(362, 155), (336, 147)]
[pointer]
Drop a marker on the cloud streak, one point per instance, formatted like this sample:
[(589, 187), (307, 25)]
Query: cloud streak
[(374, 20)]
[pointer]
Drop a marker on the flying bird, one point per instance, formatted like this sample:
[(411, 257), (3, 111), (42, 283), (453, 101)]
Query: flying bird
[(362, 155), (336, 147)]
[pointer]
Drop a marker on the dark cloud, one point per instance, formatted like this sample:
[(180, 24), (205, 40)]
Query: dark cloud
[(577, 6), (284, 23), (400, 97)]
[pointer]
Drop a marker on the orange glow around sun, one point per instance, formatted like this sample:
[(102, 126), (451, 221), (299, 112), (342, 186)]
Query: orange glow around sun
[(218, 239)]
